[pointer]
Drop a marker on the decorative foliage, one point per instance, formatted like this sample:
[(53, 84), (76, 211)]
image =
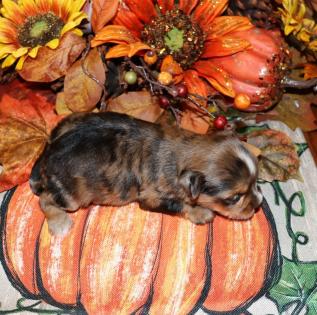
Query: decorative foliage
[(26, 118), (278, 159), (28, 25)]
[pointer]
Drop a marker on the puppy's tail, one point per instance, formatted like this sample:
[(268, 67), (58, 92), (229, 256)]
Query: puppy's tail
[(35, 180)]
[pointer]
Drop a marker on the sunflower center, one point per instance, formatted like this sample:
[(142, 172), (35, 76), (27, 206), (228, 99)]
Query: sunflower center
[(174, 33), (40, 29)]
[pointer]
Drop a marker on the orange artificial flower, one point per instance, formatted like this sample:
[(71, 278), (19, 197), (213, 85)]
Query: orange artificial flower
[(27, 25), (192, 32)]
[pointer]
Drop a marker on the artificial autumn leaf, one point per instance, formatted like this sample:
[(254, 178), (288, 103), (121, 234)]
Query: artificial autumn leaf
[(51, 64), (195, 121), (278, 159), (102, 12), (295, 111), (81, 92), (140, 104), (25, 122), (60, 106)]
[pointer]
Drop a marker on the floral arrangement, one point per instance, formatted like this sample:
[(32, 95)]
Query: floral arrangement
[(199, 64)]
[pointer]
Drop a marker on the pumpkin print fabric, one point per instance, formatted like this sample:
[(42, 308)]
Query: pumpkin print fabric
[(126, 260)]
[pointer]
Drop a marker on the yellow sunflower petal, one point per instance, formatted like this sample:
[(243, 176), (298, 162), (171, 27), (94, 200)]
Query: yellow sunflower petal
[(20, 63), (72, 24), (9, 61), (77, 5), (53, 44), (13, 11), (33, 52), (6, 49), (20, 52), (8, 31), (77, 31)]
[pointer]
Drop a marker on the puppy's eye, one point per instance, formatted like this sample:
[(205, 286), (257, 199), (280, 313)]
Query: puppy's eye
[(233, 200)]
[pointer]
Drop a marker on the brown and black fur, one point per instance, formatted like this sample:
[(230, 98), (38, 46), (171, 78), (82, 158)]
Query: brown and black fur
[(113, 159)]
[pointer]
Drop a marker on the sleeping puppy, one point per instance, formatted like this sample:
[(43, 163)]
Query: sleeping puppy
[(113, 159)]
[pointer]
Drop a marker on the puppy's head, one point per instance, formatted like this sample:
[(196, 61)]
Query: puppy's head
[(225, 180)]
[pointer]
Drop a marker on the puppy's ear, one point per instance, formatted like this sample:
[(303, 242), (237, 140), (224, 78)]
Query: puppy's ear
[(192, 182)]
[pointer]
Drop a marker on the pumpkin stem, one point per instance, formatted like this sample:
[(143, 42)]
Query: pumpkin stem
[(297, 84)]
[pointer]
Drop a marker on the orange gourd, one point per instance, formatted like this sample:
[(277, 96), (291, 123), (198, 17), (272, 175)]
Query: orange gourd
[(124, 260)]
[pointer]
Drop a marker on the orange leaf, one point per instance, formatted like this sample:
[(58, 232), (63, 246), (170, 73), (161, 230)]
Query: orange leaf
[(102, 12), (117, 34), (137, 104), (81, 92), (25, 122), (51, 64)]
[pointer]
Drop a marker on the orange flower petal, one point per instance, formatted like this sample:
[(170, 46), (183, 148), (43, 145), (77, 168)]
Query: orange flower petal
[(310, 71), (113, 34), (137, 47), (127, 18), (144, 10), (207, 11), (187, 6), (165, 5), (224, 46), (195, 85), (216, 76), (223, 25), (121, 50)]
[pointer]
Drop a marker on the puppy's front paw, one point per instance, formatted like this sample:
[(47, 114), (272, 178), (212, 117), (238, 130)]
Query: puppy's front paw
[(199, 215), (60, 225)]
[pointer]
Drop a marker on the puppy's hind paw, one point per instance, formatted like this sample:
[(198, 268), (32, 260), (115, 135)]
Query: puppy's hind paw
[(199, 215), (60, 225)]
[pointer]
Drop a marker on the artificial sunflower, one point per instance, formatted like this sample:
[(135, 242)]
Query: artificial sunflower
[(192, 32), (27, 25)]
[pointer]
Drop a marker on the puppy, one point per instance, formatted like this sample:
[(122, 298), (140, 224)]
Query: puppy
[(113, 159)]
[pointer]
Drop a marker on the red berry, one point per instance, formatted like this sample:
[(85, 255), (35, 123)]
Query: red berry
[(164, 102), (220, 122), (182, 90)]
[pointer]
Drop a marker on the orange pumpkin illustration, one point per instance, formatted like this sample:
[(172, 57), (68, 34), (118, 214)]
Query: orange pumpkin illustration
[(125, 260)]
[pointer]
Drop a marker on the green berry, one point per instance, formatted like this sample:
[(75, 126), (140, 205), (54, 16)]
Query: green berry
[(130, 77)]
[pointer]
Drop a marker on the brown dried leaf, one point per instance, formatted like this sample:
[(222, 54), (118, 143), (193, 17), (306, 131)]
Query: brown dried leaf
[(195, 121), (51, 64), (60, 105), (26, 118), (278, 159), (102, 12), (295, 111), (81, 92), (140, 104)]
